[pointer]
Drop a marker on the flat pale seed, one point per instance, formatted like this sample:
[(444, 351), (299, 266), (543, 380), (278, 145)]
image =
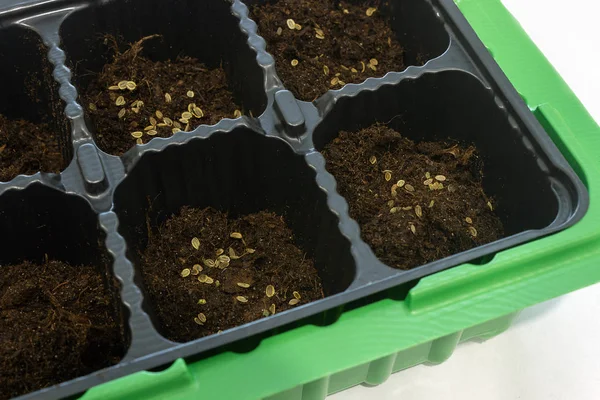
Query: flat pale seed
[(473, 231), (209, 280), (168, 97), (370, 11), (372, 159), (232, 254), (176, 124), (92, 107), (394, 210), (265, 313), (272, 309), (418, 211), (400, 183), (202, 301), (139, 141), (334, 81), (190, 94), (219, 252), (152, 132), (196, 243), (279, 31), (427, 175), (196, 320), (390, 203), (175, 130), (196, 269), (325, 69), (413, 229), (198, 113), (241, 299), (440, 178), (428, 182), (202, 317), (153, 121), (162, 124), (168, 121), (294, 62), (489, 204), (353, 70), (409, 187), (363, 66), (407, 208), (270, 291), (235, 235), (431, 203), (122, 85), (202, 278), (131, 85), (237, 114), (293, 302), (185, 273), (243, 285), (297, 295), (388, 176), (159, 114), (224, 259), (373, 61), (186, 115), (122, 113), (114, 88), (149, 128), (290, 24), (298, 27), (120, 101), (250, 251), (209, 263), (468, 220), (137, 134), (320, 36), (217, 283), (183, 121)]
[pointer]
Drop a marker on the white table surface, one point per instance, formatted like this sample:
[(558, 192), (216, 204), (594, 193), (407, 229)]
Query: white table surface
[(553, 350)]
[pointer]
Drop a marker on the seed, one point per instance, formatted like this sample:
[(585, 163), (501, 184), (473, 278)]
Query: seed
[(235, 235), (168, 121), (370, 11), (294, 62), (114, 88), (270, 291), (183, 121), (198, 113), (363, 66), (298, 27), (190, 94), (196, 269), (209, 280), (241, 299), (400, 183), (185, 273), (137, 134), (224, 259), (394, 192), (388, 176), (374, 68), (409, 187), (196, 320), (202, 317), (296, 295), (186, 115), (489, 204), (418, 211), (219, 252), (130, 85), (153, 121), (196, 243), (159, 114), (265, 313), (373, 61), (293, 302), (243, 285), (320, 36), (167, 97), (473, 231), (335, 81), (202, 301), (428, 182), (120, 101), (175, 130), (232, 254), (279, 31), (390, 203), (122, 85), (407, 208), (440, 178), (372, 159), (92, 107), (122, 113), (140, 104), (237, 114), (162, 125), (427, 175), (353, 70), (469, 220), (209, 263), (325, 69), (152, 132), (149, 128), (394, 210), (431, 203), (250, 251), (139, 141), (291, 24), (413, 229), (217, 283), (202, 278)]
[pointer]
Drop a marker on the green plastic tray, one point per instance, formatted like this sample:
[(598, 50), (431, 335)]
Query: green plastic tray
[(369, 343)]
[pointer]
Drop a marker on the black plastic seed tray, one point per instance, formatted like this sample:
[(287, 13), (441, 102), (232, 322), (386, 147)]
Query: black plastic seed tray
[(270, 161)]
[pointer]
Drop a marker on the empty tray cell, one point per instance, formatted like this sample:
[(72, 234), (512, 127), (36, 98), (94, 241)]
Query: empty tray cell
[(241, 201), (151, 68), (432, 167), (322, 45), (34, 135), (60, 310)]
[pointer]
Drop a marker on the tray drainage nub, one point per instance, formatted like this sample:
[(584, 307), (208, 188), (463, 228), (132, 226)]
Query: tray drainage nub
[(91, 169), (289, 112)]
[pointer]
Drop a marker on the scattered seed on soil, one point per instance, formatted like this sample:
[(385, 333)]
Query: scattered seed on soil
[(236, 235), (440, 178), (469, 220), (196, 269), (186, 272), (370, 11), (296, 295), (249, 251), (202, 301), (409, 187), (241, 299), (291, 24), (122, 85), (428, 182), (270, 291), (403, 239), (131, 85), (137, 134), (209, 263), (293, 302), (272, 309), (197, 321), (294, 62), (120, 101), (243, 285), (152, 132), (219, 252), (237, 114), (400, 183), (489, 205), (92, 107), (473, 231), (388, 176), (190, 94), (122, 113), (372, 159), (279, 31), (196, 243)]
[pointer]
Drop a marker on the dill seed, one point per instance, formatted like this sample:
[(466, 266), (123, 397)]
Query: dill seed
[(175, 130), (232, 254), (137, 134), (186, 115), (153, 121), (427, 175), (152, 132), (235, 235), (185, 273), (92, 107), (468, 220), (440, 178), (291, 24), (250, 251), (296, 295), (122, 113), (265, 313), (139, 141), (298, 27), (353, 70), (335, 81), (279, 31), (325, 69), (294, 62), (413, 229), (183, 121), (243, 285), (167, 97), (120, 101), (394, 210), (198, 113), (372, 159), (388, 176), (373, 61), (202, 278), (217, 283), (196, 320), (241, 299), (370, 11), (159, 114), (209, 280), (189, 94), (202, 301), (428, 182), (114, 88), (473, 231), (363, 66), (270, 291), (431, 203), (196, 269), (149, 128), (196, 243), (408, 208), (390, 203), (320, 36), (209, 263), (224, 259), (202, 317), (293, 302), (122, 85), (489, 204), (130, 85), (418, 211), (400, 183), (409, 187), (237, 114), (272, 309), (219, 252)]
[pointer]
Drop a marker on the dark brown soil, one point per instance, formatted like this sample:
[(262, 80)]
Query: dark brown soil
[(454, 217), (154, 80), (57, 322), (27, 148), (351, 39), (276, 261)]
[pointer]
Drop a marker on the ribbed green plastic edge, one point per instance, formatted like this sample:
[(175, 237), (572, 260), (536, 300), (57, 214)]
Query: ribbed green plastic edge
[(369, 343)]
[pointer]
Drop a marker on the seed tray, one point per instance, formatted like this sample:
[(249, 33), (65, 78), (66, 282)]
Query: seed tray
[(459, 93)]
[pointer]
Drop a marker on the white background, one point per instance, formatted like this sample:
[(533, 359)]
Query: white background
[(553, 350)]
